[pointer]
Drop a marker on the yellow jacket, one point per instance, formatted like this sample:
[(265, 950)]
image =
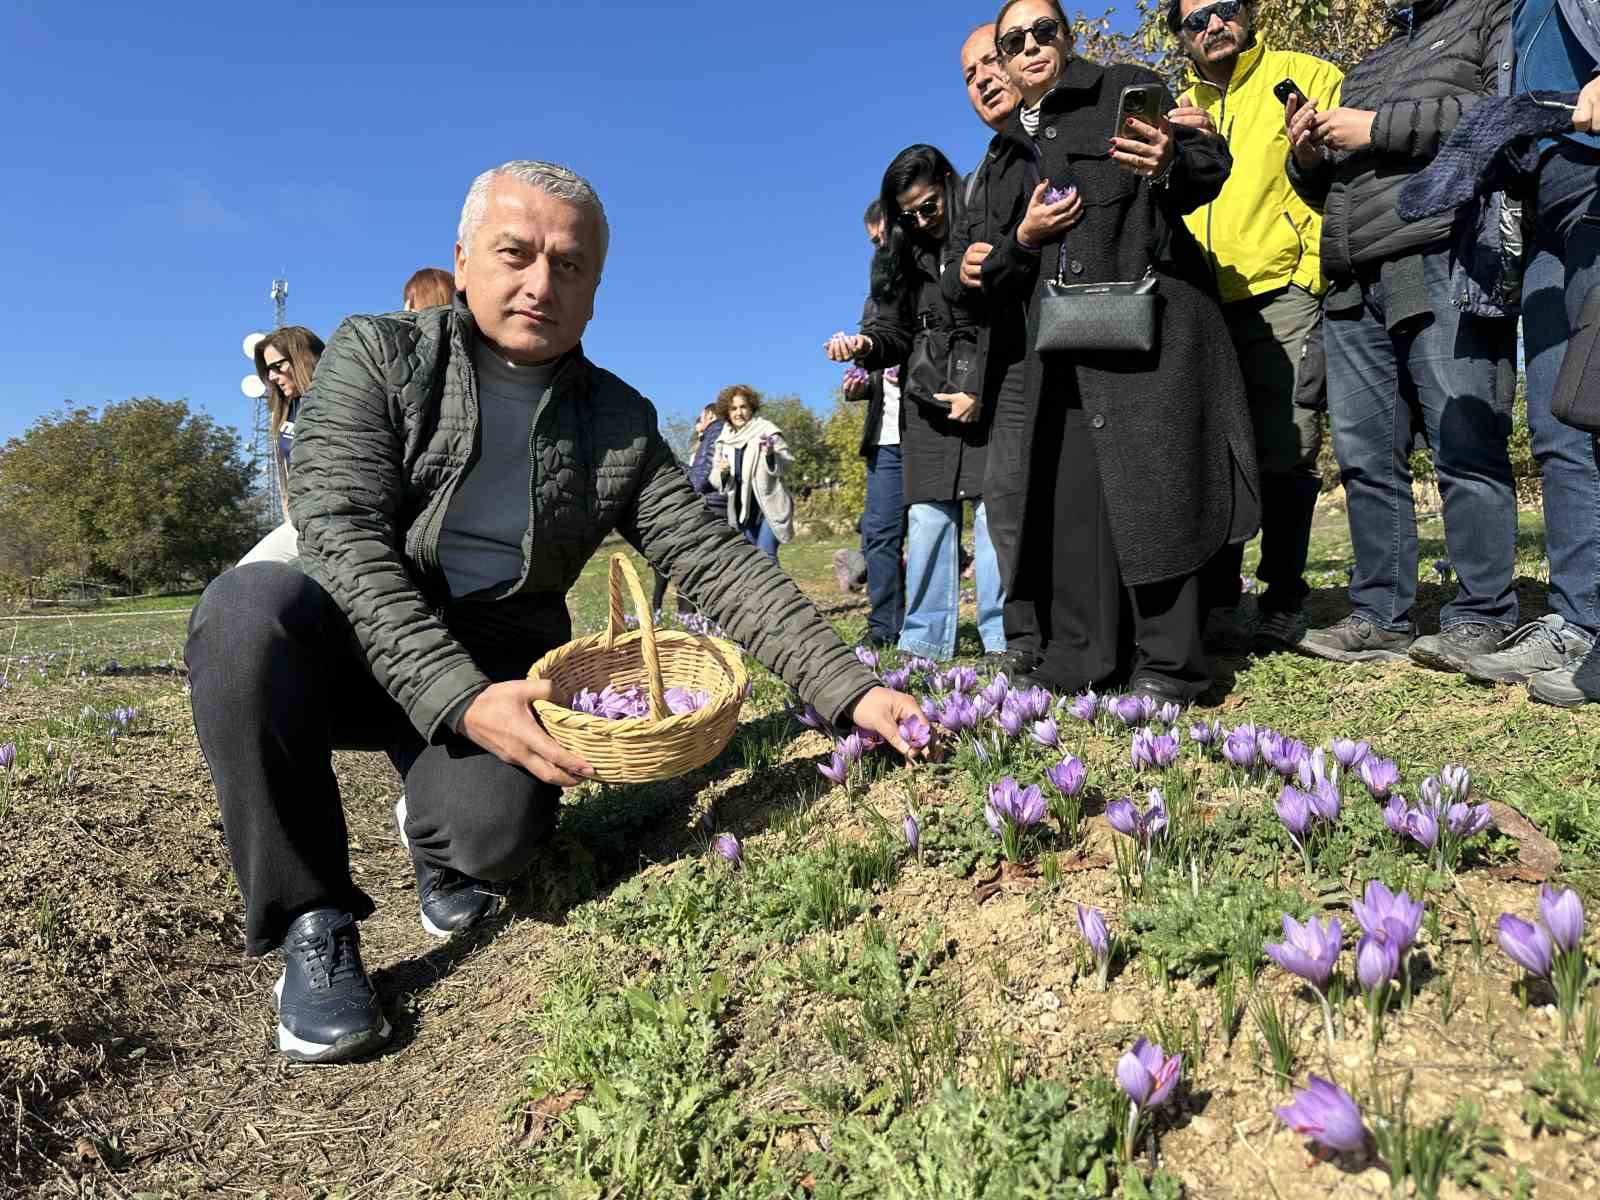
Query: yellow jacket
[(1259, 235)]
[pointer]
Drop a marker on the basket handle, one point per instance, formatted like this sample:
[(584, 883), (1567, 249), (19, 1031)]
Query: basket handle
[(622, 569)]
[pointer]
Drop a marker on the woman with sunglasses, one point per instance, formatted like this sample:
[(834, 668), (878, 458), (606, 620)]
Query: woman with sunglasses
[(1137, 467), (286, 359), (943, 428)]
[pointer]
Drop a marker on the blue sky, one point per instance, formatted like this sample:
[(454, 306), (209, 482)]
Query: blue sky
[(165, 161)]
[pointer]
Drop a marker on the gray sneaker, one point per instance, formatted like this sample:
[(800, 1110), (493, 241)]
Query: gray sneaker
[(1548, 644), (1570, 686), (1356, 639), (1451, 649)]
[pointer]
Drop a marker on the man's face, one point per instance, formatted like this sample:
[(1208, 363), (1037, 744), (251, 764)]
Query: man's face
[(875, 232), (531, 271), (1218, 41), (991, 91)]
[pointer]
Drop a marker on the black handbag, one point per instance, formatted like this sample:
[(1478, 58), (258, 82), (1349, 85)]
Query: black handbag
[(1577, 398), (941, 363), (1097, 316)]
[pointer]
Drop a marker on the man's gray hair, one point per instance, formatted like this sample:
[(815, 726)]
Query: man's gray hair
[(553, 180)]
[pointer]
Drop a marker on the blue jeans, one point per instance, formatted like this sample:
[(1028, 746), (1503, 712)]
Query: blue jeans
[(1452, 373), (882, 530), (1563, 265), (933, 581), (763, 537)]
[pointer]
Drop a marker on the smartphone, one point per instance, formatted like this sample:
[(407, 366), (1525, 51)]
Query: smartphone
[(1138, 100), (1286, 88)]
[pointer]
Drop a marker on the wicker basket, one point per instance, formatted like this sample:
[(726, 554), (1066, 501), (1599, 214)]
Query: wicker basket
[(660, 746)]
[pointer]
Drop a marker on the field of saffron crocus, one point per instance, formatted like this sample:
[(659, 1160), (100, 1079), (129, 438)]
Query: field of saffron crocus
[(1324, 933)]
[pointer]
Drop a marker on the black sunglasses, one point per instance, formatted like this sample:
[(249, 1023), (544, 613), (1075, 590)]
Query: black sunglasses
[(1012, 42), (927, 210), (274, 368), (1201, 17)]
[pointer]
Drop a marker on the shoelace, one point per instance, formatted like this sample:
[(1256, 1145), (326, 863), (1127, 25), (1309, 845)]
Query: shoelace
[(331, 956), (1533, 629)]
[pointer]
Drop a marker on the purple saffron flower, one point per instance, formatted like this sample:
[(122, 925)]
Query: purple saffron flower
[(892, 374), (1379, 775), (1169, 713), (1122, 816), (809, 717), (858, 376), (1068, 776), (1147, 708), (915, 733), (913, 832), (1562, 914), (1308, 950), (1430, 793), (1325, 1113), (1394, 815), (1085, 706), (1377, 960), (1163, 749), (1239, 748), (919, 665), (1139, 750), (1313, 769), (958, 713), (999, 687), (1526, 944), (930, 709), (1457, 781), (1349, 753), (1399, 916), (1055, 195), (8, 756), (1422, 827), (1285, 756), (899, 679), (1010, 719), (835, 770), (1034, 703), (984, 708), (1093, 927), (867, 657), (1294, 810), (1325, 801), (1148, 1075), (1046, 733), (851, 747), (1203, 733), (681, 701), (1154, 818), (728, 848), (961, 679), (1126, 709)]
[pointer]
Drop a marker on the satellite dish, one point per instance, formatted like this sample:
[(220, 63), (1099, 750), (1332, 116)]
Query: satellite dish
[(251, 340), (252, 386)]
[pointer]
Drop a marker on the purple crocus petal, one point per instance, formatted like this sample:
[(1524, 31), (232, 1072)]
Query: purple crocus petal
[(1325, 800), (1169, 713), (681, 701), (1394, 815), (1167, 1077), (993, 817), (868, 658), (1004, 795), (1068, 775), (914, 732), (984, 708), (1526, 944), (961, 679), (858, 376), (892, 374), (1294, 810), (1093, 927), (850, 748), (913, 831), (1135, 1074), (1202, 733), (8, 755), (1430, 792), (1377, 960), (1122, 816), (1139, 750), (1125, 709), (1562, 914), (1085, 706), (1010, 720), (1379, 775), (1457, 781), (1046, 733), (1036, 703), (930, 708), (898, 679), (1147, 708), (958, 713), (1030, 807), (1240, 749), (1422, 827), (727, 847), (835, 770), (1163, 750), (1153, 821), (1349, 753), (1325, 1113), (997, 690), (1309, 951), (1479, 821)]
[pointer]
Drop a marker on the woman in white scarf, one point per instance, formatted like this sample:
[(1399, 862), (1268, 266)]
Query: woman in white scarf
[(750, 462)]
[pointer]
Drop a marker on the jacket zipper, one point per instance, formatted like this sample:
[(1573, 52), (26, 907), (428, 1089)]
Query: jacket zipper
[(442, 505)]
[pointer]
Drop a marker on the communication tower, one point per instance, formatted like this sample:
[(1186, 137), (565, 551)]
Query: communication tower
[(261, 440)]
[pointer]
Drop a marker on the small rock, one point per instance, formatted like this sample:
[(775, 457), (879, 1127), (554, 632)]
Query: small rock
[(1049, 1001), (1204, 1127), (1049, 1022), (1126, 1010)]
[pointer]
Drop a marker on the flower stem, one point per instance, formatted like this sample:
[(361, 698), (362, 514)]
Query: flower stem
[(1133, 1128), (1327, 1017)]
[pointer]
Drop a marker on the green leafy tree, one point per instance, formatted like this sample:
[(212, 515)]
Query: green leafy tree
[(842, 431), (143, 493), (802, 431)]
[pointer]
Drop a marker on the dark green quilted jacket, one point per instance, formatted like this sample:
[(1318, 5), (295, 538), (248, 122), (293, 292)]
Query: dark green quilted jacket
[(386, 432)]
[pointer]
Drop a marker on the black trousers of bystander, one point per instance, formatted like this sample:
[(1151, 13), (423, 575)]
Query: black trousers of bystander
[(278, 684)]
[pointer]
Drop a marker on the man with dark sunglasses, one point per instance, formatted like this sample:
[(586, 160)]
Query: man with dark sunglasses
[(1262, 240)]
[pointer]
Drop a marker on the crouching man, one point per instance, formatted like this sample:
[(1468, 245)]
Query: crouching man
[(454, 470)]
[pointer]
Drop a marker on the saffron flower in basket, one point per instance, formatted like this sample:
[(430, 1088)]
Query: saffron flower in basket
[(633, 702)]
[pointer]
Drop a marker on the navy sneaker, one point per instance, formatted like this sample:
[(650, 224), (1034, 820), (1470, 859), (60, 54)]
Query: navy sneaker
[(327, 1009), (447, 900)]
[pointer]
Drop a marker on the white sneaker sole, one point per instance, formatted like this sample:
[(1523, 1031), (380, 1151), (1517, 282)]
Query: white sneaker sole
[(400, 820), (298, 1049)]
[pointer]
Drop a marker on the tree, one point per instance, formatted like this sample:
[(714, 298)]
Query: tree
[(802, 431), (144, 493)]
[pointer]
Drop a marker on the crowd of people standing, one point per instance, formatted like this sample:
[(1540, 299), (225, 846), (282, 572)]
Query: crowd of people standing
[(1252, 273)]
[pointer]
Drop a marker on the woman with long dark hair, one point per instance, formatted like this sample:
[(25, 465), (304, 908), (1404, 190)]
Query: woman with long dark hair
[(944, 429), (1138, 464), (286, 359)]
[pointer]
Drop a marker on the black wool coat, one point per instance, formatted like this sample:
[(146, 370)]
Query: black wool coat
[(1171, 429), (940, 459)]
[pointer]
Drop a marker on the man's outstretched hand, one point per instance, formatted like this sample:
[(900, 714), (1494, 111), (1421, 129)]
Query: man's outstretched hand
[(501, 720), (881, 710)]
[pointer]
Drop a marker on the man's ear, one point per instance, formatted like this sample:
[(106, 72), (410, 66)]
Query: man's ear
[(461, 266)]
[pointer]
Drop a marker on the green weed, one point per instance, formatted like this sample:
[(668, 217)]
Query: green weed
[(1456, 1147)]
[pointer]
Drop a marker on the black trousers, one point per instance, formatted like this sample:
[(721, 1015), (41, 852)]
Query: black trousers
[(1095, 629), (1005, 508), (278, 684)]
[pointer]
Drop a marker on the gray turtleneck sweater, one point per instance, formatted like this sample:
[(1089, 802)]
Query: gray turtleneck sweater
[(480, 543)]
